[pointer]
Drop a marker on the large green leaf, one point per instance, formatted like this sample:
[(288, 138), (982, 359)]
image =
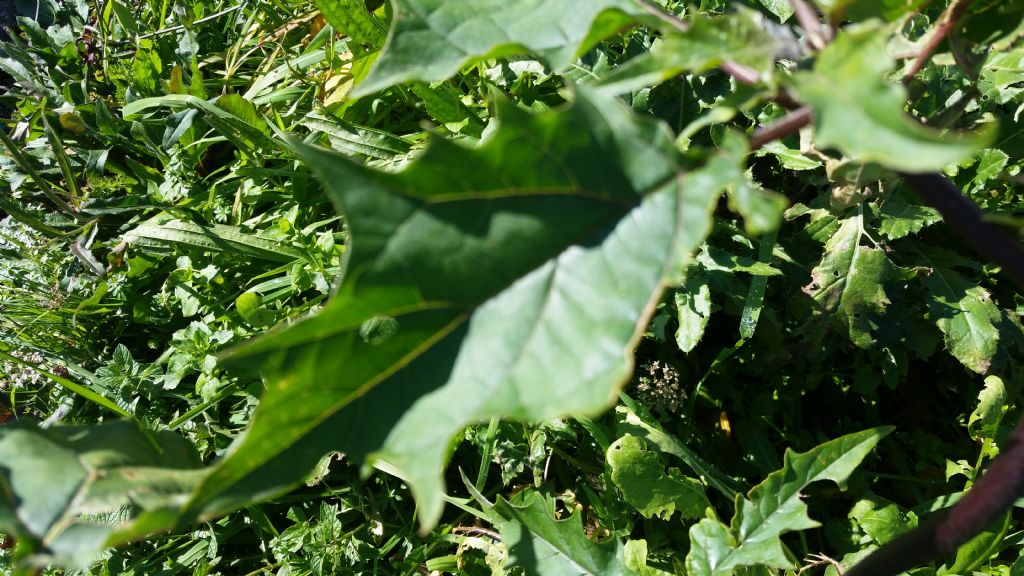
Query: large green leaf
[(1000, 77), (966, 315), (849, 280), (67, 492), (541, 544), (859, 112), (517, 288), (775, 507), (632, 421), (350, 17), (432, 39), (641, 477)]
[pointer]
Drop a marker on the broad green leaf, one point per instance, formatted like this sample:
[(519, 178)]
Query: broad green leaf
[(978, 550), (984, 422), (859, 112), (823, 222), (849, 280), (351, 18), (990, 164), (431, 40), (718, 260), (1001, 75), (541, 544), (900, 217), (635, 553), (244, 110), (789, 158), (708, 42), (761, 209), (250, 306), (641, 477), (632, 423), (965, 314), (693, 310), (880, 520), (468, 292), (68, 492), (775, 507), (444, 104)]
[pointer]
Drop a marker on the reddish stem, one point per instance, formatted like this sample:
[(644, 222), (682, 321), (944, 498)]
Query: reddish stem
[(789, 124), (947, 22), (817, 34)]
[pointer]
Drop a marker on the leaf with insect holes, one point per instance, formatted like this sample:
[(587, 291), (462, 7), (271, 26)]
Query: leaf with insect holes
[(965, 314), (431, 40), (774, 507), (849, 281), (859, 112), (469, 293), (641, 477)]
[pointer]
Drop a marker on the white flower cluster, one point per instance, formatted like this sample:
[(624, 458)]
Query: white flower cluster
[(13, 232), (657, 387), (14, 375)]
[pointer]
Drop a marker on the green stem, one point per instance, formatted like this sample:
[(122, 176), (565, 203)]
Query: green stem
[(199, 409)]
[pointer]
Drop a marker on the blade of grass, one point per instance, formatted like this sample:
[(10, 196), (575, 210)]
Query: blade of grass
[(62, 159), (44, 186), (200, 408)]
